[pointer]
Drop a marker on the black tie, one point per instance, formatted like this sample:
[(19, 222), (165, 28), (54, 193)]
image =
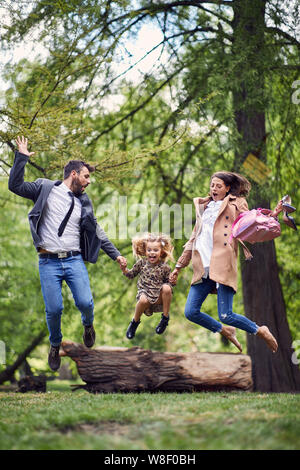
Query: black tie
[(68, 215)]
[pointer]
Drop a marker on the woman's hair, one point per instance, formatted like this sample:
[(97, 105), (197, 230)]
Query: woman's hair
[(139, 245), (239, 185)]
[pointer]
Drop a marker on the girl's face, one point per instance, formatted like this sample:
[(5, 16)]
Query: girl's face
[(153, 252), (218, 189)]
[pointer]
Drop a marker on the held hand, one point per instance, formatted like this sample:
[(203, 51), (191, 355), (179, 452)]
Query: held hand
[(122, 262), (22, 144), (174, 276)]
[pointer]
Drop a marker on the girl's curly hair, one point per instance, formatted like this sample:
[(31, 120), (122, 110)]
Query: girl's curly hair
[(139, 245)]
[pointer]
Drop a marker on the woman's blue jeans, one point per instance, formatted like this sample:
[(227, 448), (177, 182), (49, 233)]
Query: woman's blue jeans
[(53, 271), (195, 299)]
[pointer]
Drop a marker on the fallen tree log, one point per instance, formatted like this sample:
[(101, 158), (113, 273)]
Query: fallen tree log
[(107, 369)]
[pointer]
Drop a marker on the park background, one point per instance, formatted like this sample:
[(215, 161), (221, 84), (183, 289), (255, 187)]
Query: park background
[(158, 95)]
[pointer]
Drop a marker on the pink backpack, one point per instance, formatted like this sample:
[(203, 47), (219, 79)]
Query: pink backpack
[(254, 226)]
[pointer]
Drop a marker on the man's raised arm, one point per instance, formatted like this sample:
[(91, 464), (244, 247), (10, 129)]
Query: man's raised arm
[(16, 182)]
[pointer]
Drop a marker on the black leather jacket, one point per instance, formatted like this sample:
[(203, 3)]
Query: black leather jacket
[(92, 237)]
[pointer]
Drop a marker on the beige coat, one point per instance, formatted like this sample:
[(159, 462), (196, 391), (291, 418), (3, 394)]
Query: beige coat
[(223, 264)]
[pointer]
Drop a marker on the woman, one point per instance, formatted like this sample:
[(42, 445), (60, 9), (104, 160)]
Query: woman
[(214, 260)]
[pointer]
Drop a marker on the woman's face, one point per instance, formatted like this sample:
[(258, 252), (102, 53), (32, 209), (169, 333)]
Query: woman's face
[(218, 189)]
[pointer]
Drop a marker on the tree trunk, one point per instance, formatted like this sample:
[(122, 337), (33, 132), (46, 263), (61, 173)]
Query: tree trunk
[(263, 297), (8, 373), (138, 370)]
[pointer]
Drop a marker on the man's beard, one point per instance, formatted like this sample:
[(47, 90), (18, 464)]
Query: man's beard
[(76, 187)]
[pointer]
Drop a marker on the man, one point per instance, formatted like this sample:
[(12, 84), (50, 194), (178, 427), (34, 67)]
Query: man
[(65, 233)]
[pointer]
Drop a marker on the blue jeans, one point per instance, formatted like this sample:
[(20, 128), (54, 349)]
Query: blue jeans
[(53, 271), (196, 297)]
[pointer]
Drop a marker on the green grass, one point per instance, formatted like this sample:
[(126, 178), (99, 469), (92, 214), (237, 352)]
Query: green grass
[(61, 419)]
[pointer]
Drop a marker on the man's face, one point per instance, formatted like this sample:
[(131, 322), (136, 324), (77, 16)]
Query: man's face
[(80, 180)]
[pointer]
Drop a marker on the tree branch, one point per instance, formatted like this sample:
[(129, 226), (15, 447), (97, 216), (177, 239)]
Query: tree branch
[(162, 7), (221, 17), (286, 67), (284, 34), (134, 111)]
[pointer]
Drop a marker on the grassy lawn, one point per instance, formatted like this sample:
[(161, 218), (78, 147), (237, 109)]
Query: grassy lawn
[(62, 419)]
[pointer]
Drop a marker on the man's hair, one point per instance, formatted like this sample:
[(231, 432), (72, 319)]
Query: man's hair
[(76, 165)]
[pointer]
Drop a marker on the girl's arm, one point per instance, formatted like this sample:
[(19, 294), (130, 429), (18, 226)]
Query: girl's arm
[(135, 270)]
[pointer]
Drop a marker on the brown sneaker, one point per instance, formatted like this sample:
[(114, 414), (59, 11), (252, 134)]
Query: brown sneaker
[(89, 336), (54, 358)]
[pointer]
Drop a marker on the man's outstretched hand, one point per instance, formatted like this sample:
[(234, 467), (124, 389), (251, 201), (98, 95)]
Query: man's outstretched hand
[(22, 144)]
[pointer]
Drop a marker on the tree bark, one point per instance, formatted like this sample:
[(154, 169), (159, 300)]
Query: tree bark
[(262, 292), (134, 369)]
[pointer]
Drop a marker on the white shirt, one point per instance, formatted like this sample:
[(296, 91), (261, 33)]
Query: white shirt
[(56, 207), (204, 241)]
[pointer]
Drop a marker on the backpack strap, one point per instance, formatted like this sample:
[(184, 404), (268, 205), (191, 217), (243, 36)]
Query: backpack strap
[(246, 250)]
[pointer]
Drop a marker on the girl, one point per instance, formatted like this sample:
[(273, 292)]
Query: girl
[(154, 289), (214, 260)]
